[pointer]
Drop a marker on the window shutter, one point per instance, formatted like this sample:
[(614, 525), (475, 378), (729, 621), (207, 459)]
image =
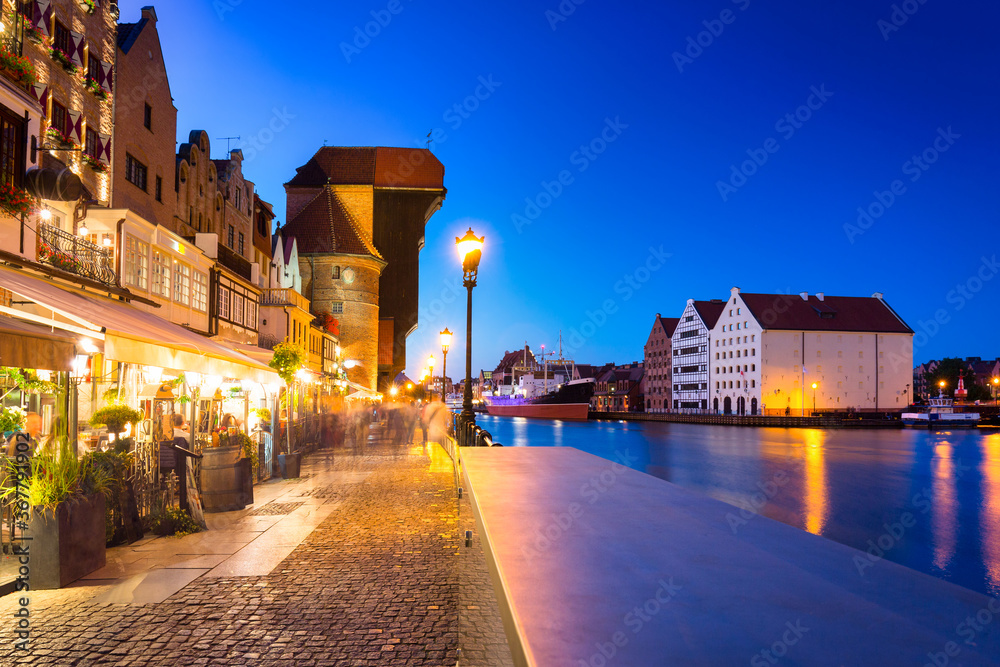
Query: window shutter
[(41, 93), (75, 125), (76, 49), (107, 77), (104, 148), (41, 16)]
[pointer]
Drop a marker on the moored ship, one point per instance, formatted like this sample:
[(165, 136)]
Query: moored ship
[(941, 413), (569, 401)]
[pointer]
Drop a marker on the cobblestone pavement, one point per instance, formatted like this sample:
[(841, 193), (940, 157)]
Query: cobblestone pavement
[(375, 584)]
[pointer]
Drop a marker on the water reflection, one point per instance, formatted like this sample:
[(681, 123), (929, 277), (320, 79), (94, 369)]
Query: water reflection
[(990, 511), (944, 510), (815, 481)]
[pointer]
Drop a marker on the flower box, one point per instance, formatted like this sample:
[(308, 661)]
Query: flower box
[(88, 6), (96, 90), (95, 164), (15, 202), (18, 67), (63, 59)]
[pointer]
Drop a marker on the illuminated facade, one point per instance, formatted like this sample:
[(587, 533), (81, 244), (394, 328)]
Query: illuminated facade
[(689, 355), (657, 360)]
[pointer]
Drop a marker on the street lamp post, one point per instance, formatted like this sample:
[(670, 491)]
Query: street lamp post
[(996, 383), (430, 379), (445, 344), (815, 384), (470, 251)]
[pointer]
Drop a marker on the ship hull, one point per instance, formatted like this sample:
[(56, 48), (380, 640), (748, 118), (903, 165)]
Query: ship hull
[(565, 411)]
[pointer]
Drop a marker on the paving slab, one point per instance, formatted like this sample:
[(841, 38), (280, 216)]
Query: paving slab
[(601, 564), (152, 586)]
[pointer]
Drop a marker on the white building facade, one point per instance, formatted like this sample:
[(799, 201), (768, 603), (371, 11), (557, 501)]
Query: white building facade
[(689, 358), (782, 354)]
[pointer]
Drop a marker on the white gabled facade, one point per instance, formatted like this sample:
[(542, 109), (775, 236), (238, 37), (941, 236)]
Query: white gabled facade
[(735, 367), (689, 361), (767, 354)]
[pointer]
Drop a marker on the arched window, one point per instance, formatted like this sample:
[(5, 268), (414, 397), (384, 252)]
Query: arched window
[(753, 367)]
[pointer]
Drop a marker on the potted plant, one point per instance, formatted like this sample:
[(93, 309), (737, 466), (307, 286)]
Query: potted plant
[(61, 139), (227, 472), (288, 359), (65, 516), (116, 416), (11, 420), (88, 6)]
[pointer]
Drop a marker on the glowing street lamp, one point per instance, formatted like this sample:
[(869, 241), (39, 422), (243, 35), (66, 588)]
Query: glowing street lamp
[(445, 344), (996, 385), (470, 251), (815, 384)]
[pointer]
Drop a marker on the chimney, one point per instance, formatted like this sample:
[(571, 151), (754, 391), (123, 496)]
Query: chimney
[(149, 14), (819, 295), (877, 295), (804, 295)]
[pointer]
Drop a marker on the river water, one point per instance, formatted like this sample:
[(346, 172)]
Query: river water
[(857, 487)]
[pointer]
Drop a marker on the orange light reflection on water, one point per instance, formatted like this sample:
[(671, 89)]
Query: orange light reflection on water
[(990, 511), (816, 490), (944, 517)]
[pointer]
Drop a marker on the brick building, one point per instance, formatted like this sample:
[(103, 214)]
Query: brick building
[(388, 195), (658, 379), (619, 389), (144, 162)]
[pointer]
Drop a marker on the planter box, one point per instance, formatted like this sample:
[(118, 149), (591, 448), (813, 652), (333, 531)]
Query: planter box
[(69, 545), (226, 480), (289, 464)]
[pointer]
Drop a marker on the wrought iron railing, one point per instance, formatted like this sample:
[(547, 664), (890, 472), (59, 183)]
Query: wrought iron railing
[(76, 255)]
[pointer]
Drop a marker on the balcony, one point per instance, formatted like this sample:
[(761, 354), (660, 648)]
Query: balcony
[(234, 262), (73, 254), (284, 296)]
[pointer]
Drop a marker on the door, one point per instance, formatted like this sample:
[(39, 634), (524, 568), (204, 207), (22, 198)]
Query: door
[(727, 405)]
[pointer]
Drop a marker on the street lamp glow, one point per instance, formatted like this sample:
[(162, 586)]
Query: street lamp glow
[(393, 390), (815, 385), (430, 362), (468, 245), (941, 384), (445, 340)]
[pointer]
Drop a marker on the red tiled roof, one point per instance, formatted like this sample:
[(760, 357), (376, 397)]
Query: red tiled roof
[(515, 358), (407, 168), (669, 324), (709, 311), (383, 167), (325, 225), (833, 313)]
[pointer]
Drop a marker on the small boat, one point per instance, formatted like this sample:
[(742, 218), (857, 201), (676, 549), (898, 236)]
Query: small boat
[(941, 414)]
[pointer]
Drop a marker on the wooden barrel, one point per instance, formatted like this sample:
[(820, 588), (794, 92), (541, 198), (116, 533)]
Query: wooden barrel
[(222, 480)]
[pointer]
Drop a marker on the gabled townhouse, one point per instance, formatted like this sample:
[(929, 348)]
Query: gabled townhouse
[(689, 355), (619, 389), (657, 360), (792, 354)]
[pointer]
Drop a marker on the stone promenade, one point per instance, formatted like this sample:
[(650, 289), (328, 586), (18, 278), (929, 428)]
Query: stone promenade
[(375, 583)]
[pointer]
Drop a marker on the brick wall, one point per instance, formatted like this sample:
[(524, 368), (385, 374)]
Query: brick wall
[(142, 80)]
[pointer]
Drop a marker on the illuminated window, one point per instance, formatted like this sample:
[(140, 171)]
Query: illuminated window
[(199, 291), (182, 283), (136, 262), (161, 274), (223, 302)]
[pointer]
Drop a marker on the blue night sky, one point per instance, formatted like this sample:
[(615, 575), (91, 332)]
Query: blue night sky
[(661, 176)]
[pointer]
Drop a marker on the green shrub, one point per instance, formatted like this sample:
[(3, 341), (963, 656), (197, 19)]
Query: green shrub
[(172, 521), (115, 417)]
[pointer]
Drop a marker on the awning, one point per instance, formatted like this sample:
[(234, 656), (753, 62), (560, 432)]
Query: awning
[(28, 345), (135, 336)]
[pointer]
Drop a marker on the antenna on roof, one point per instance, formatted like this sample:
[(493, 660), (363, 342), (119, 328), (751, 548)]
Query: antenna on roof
[(228, 139), (429, 140)]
